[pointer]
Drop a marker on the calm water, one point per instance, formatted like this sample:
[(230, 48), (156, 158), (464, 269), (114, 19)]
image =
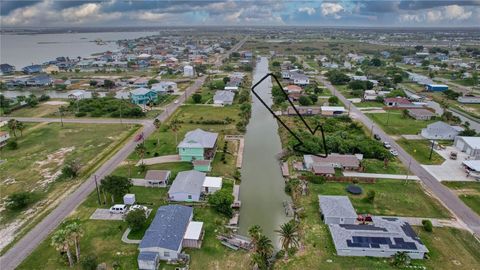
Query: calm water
[(23, 50), (262, 188)]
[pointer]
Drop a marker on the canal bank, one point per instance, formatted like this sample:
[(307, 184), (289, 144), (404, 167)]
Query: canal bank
[(262, 187)]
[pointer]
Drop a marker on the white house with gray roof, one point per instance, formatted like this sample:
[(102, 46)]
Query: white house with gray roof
[(336, 210), (187, 186), (440, 131), (170, 231), (223, 97)]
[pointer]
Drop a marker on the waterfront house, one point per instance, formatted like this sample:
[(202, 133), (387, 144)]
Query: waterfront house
[(40, 80), (381, 237), (187, 186), (421, 114), (77, 94), (345, 162), (211, 184), (171, 230), (157, 178), (198, 145), (440, 131), (302, 110), (32, 69), (223, 97), (4, 136), (141, 82), (142, 96), (6, 69)]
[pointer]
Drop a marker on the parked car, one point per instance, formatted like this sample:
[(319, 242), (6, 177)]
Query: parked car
[(394, 152), (453, 155), (138, 206), (176, 101), (377, 137), (118, 209), (387, 145)]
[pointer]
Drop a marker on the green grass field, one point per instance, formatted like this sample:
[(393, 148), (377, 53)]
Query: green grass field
[(468, 192), (378, 166), (394, 123), (420, 150)]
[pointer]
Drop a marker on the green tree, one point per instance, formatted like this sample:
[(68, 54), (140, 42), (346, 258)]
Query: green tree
[(18, 200), (152, 81), (61, 243), (305, 101), (12, 126), (197, 98), (427, 225), (136, 219), (401, 259), (11, 145), (89, 262), (288, 236), (75, 232), (71, 169), (140, 149), (108, 84), (405, 114), (371, 196), (333, 100), (264, 247), (116, 186), (221, 201)]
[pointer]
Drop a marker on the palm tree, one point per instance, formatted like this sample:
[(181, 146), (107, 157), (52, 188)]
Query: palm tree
[(175, 126), (258, 261), (75, 232), (264, 247), (140, 149), (61, 243), (288, 235), (401, 259), (21, 127), (254, 232), (157, 123), (12, 125)]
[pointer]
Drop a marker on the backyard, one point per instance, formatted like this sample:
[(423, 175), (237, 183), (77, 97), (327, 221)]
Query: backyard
[(394, 123), (420, 150), (468, 192)]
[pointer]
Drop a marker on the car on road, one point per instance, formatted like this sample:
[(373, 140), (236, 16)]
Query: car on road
[(118, 209), (377, 137), (176, 101), (394, 152), (387, 145)]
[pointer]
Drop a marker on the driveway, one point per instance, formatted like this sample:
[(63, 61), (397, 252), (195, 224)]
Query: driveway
[(158, 160), (104, 214), (450, 170)]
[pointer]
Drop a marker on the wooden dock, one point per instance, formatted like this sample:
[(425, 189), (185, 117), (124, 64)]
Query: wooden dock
[(236, 197), (285, 171), (241, 145), (234, 220)]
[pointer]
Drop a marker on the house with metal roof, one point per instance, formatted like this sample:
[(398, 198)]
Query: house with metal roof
[(440, 131), (469, 145), (157, 178), (348, 162), (382, 237), (336, 210), (187, 186), (421, 114), (170, 231), (198, 145), (32, 69), (223, 97), (142, 96), (6, 69)]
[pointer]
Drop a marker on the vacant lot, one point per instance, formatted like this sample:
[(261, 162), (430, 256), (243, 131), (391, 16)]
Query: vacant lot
[(468, 192), (379, 166), (393, 122), (420, 150), (43, 109)]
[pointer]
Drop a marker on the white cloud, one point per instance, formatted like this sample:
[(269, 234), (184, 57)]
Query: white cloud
[(434, 16), (456, 12), (308, 10), (331, 8)]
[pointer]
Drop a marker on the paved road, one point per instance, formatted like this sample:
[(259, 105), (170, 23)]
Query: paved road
[(79, 120), (445, 196), (15, 255)]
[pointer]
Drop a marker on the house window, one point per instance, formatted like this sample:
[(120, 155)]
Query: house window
[(166, 254), (189, 197)]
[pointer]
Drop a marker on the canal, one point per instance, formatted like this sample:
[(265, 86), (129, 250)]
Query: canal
[(262, 187)]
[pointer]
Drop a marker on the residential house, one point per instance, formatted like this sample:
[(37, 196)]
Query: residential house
[(440, 131), (4, 136), (436, 87), (382, 237), (6, 69), (157, 178), (202, 165), (223, 97), (345, 162), (170, 231), (293, 89), (198, 145), (336, 210), (188, 71), (32, 69), (332, 110), (164, 87), (40, 80), (299, 78), (141, 82), (77, 94), (142, 96), (421, 114), (323, 169), (469, 145), (171, 62), (469, 99), (302, 110), (396, 102), (187, 186)]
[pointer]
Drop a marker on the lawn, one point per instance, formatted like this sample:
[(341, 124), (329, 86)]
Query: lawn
[(132, 171), (365, 104), (420, 150), (103, 238), (468, 192), (394, 123), (319, 251), (44, 109), (378, 166)]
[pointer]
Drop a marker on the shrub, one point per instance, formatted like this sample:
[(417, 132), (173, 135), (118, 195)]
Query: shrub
[(136, 219), (427, 225), (333, 100), (221, 201), (81, 114), (18, 200), (370, 196), (89, 262), (197, 98), (12, 145)]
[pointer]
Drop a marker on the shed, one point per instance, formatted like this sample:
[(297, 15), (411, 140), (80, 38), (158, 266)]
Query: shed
[(129, 199), (194, 235), (212, 184)]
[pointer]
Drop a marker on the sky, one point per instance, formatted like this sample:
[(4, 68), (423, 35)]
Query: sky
[(372, 13)]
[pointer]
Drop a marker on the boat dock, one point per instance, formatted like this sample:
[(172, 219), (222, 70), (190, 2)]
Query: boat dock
[(235, 241), (233, 222), (236, 197), (285, 171), (241, 145)]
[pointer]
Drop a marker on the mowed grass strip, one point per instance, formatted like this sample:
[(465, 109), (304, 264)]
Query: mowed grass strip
[(420, 150), (468, 192), (394, 123)]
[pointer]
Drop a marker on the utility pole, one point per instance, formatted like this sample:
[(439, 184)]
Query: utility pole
[(408, 171), (98, 191), (371, 131), (121, 103), (61, 115), (349, 105), (431, 150), (388, 117)]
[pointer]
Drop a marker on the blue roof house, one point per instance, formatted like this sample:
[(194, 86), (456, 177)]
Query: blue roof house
[(168, 233), (436, 87), (6, 69), (32, 69), (142, 96)]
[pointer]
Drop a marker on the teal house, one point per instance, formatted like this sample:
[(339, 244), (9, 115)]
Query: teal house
[(199, 147), (142, 96)]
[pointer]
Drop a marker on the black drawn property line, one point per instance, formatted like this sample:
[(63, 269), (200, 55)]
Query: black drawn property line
[(297, 146)]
